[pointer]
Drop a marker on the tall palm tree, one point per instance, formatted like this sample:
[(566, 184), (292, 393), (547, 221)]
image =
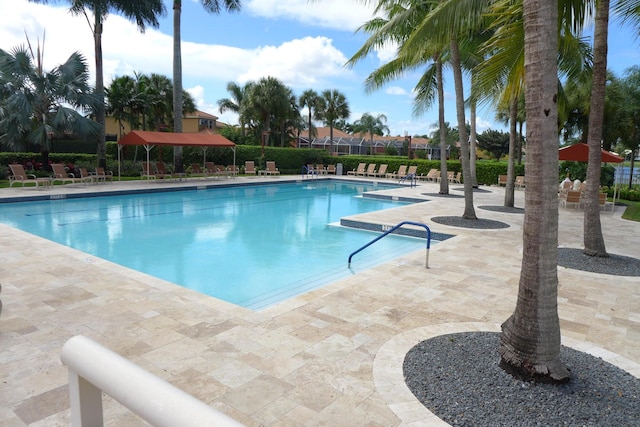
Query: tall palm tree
[(334, 106), (371, 125), (143, 12), (121, 95), (310, 99), (266, 99), (236, 102), (530, 339), (36, 105), (593, 238), (211, 6)]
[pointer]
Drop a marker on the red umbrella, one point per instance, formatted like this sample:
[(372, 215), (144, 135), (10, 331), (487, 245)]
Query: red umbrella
[(580, 153)]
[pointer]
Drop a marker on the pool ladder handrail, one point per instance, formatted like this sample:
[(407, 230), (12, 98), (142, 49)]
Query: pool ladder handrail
[(307, 171), (391, 230)]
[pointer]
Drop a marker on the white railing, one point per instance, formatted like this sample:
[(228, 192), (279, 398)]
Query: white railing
[(94, 369)]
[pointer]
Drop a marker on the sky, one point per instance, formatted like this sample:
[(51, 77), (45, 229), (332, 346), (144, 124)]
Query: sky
[(305, 44)]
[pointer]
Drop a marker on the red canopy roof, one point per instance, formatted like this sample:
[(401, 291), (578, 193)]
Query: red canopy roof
[(139, 137), (580, 153)]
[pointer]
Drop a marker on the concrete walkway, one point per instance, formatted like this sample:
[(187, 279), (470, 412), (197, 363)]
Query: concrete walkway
[(328, 357)]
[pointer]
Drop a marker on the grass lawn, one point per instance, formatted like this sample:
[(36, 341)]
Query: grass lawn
[(632, 212)]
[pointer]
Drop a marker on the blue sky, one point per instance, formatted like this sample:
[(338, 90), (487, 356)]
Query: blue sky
[(304, 44)]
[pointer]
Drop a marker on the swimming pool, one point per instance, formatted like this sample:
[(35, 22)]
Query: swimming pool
[(249, 245)]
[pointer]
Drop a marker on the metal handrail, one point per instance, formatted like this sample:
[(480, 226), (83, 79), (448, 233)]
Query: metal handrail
[(306, 171), (391, 230)]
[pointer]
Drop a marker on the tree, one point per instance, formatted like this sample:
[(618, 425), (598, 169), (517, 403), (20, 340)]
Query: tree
[(36, 105), (211, 6), (144, 12), (371, 125), (236, 102), (593, 238), (334, 106), (266, 99), (495, 142), (530, 339), (311, 100), (121, 97)]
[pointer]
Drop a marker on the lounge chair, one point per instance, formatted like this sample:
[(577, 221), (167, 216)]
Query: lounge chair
[(571, 197), (519, 182), (371, 170), (163, 172), (60, 174), (502, 180), (232, 171), (382, 171), (249, 168), (196, 171), (212, 169), (19, 175), (457, 179), (331, 169), (450, 176), (432, 175), (411, 172), (147, 171), (271, 169), (359, 171), (402, 171), (104, 175), (85, 176)]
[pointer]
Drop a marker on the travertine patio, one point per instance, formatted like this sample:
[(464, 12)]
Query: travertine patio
[(329, 357)]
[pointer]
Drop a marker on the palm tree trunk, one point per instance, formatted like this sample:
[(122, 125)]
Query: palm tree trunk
[(469, 211), (530, 339), (444, 183), (509, 195), (177, 84), (593, 239), (473, 145), (100, 112)]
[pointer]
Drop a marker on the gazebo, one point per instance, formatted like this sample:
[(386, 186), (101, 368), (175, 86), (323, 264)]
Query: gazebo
[(150, 139)]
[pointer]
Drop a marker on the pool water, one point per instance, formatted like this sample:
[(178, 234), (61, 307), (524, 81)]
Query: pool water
[(248, 245)]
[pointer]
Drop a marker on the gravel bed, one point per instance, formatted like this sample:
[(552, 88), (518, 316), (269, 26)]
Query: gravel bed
[(616, 265), (458, 221), (503, 209), (457, 378)]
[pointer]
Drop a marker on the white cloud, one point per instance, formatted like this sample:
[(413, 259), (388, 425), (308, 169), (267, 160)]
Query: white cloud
[(396, 90), (334, 14), (387, 52)]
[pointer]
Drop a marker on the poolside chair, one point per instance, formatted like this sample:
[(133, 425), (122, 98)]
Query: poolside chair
[(432, 175), (19, 175), (249, 167), (371, 170), (331, 169), (232, 171), (450, 176), (359, 171), (147, 171), (60, 174), (271, 169), (457, 179), (104, 175), (402, 171), (85, 176), (502, 180), (409, 172), (382, 171), (519, 182), (163, 172), (571, 197), (196, 171)]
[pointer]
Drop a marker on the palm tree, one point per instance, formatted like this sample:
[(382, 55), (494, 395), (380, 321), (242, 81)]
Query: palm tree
[(593, 238), (211, 6), (334, 106), (36, 105), (144, 12), (371, 125), (310, 99), (121, 95), (266, 99), (530, 339), (236, 102)]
